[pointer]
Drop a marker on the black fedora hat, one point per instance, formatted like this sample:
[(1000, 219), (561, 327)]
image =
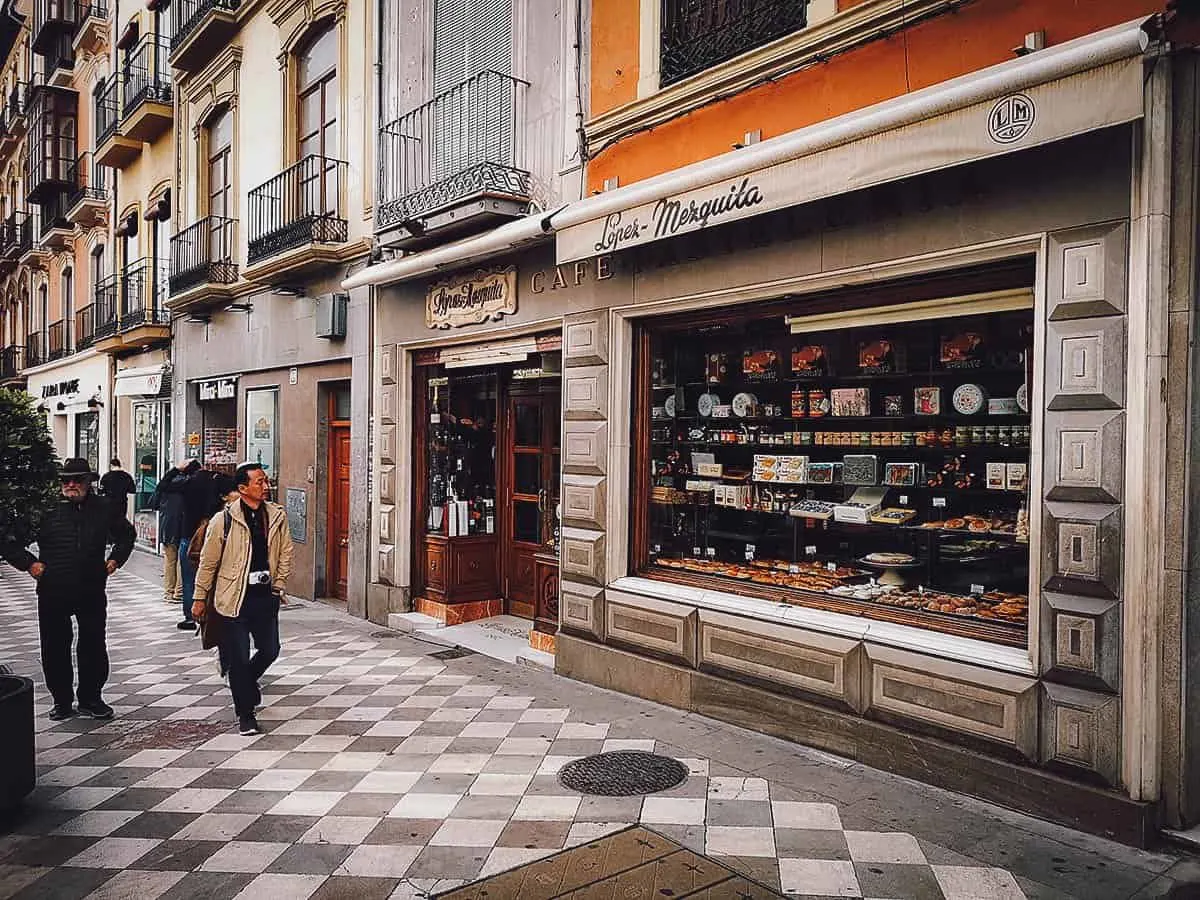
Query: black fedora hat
[(74, 468)]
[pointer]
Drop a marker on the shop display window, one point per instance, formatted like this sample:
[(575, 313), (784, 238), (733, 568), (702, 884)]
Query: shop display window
[(460, 460), (874, 461)]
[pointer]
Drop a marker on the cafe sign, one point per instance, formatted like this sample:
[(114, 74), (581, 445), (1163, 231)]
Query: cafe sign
[(471, 299)]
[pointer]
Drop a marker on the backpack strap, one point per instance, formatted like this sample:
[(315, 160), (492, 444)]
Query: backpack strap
[(228, 523)]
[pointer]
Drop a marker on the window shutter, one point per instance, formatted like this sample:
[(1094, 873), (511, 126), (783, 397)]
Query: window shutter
[(469, 37)]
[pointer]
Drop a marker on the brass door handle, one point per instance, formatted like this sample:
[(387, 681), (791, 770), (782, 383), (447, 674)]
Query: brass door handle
[(344, 542)]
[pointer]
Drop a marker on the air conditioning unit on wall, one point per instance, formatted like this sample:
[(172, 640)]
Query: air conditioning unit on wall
[(332, 312)]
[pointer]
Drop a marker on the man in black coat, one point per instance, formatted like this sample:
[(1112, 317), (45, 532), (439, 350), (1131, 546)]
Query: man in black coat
[(116, 484), (189, 494), (72, 569)]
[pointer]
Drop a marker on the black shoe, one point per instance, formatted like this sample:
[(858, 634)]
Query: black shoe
[(97, 709), (61, 711), (247, 726), (186, 625)]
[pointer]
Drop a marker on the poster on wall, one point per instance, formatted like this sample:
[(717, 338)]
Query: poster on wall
[(220, 447), (261, 431)]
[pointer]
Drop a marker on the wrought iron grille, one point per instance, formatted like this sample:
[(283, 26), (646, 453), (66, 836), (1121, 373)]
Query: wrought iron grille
[(24, 224), (301, 205), (148, 73), (203, 253), (105, 316), (143, 290), (12, 360), (188, 14), (9, 236), (90, 180), (53, 216), (85, 327), (58, 340), (35, 348), (16, 103), (97, 9), (461, 143), (698, 34), (106, 111)]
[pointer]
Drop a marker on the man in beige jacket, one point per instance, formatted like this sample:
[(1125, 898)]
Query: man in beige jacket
[(243, 571)]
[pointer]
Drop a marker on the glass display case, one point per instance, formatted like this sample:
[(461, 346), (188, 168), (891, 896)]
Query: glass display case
[(461, 454), (872, 463)]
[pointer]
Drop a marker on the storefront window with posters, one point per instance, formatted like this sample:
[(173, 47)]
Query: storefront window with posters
[(862, 459)]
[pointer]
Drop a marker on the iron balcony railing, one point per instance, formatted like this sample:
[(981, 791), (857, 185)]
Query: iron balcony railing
[(25, 223), (698, 34), (58, 340), (203, 253), (461, 143), (107, 115), (143, 294), (188, 14), (12, 360), (97, 9), (148, 73), (301, 205), (10, 235), (53, 215), (85, 327), (105, 315), (16, 103), (90, 180), (35, 349)]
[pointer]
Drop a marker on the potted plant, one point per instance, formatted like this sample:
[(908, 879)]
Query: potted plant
[(28, 488)]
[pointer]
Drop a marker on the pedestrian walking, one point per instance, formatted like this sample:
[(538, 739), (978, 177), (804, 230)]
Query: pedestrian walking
[(243, 572), (191, 493), (116, 484), (169, 503), (72, 570)]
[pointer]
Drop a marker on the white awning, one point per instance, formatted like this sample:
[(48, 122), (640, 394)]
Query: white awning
[(1082, 85), (143, 381)]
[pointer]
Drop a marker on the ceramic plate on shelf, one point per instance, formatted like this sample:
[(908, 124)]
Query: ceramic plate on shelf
[(968, 399), (669, 406), (743, 404), (706, 402), (1023, 398)]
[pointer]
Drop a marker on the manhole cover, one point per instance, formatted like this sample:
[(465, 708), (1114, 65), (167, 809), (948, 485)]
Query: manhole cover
[(383, 635), (452, 653), (622, 773), (166, 735)]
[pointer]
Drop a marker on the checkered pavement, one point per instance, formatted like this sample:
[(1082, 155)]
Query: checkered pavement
[(383, 772)]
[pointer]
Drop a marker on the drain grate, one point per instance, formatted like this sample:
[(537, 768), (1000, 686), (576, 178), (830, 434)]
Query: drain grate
[(146, 735), (622, 773), (452, 653), (383, 635)]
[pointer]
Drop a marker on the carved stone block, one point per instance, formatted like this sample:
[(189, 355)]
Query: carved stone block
[(387, 484), (387, 444), (667, 629), (581, 608), (1081, 641), (387, 405), (387, 564), (1082, 549), (782, 656), (583, 554), (1085, 364), (585, 447), (585, 392), (585, 340), (1087, 271), (954, 696), (1085, 455), (387, 524), (1081, 730), (583, 501), (387, 364)]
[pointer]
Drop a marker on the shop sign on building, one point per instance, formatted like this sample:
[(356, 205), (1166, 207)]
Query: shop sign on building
[(572, 275), (218, 389), (471, 299), (60, 389)]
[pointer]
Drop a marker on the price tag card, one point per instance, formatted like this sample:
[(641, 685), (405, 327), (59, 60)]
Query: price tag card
[(939, 502), (696, 551), (711, 552), (750, 548), (793, 569), (977, 589), (904, 499), (658, 548), (811, 549), (832, 567)]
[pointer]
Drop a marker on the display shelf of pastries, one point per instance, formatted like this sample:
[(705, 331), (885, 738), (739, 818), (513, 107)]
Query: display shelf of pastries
[(994, 605), (808, 575)]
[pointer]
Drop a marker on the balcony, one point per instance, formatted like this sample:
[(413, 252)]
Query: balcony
[(146, 110), (450, 167), (30, 252), (85, 327), (113, 148), (12, 361), (202, 28), (298, 221), (699, 34), (105, 318), (10, 237), (202, 263), (58, 340), (87, 204), (92, 34), (35, 349), (56, 229), (52, 21), (134, 315), (18, 121)]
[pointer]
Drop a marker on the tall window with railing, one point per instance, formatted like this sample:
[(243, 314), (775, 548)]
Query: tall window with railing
[(317, 79), (699, 34)]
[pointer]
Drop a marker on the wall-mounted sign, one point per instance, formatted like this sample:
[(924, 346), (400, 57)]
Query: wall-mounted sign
[(572, 275), (296, 504), (217, 389), (60, 389), (471, 299)]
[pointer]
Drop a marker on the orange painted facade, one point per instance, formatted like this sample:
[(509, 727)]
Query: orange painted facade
[(979, 34)]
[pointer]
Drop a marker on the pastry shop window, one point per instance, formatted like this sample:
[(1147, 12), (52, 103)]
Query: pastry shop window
[(460, 452), (870, 461)]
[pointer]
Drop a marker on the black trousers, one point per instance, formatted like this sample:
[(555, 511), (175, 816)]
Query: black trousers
[(258, 621), (89, 606)]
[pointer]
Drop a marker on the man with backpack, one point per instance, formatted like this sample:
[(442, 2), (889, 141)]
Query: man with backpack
[(244, 567)]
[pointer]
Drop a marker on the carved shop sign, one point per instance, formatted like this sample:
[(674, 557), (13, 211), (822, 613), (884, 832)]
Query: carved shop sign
[(62, 389), (471, 299)]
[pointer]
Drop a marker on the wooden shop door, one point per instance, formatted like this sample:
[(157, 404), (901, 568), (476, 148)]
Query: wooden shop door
[(338, 541)]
